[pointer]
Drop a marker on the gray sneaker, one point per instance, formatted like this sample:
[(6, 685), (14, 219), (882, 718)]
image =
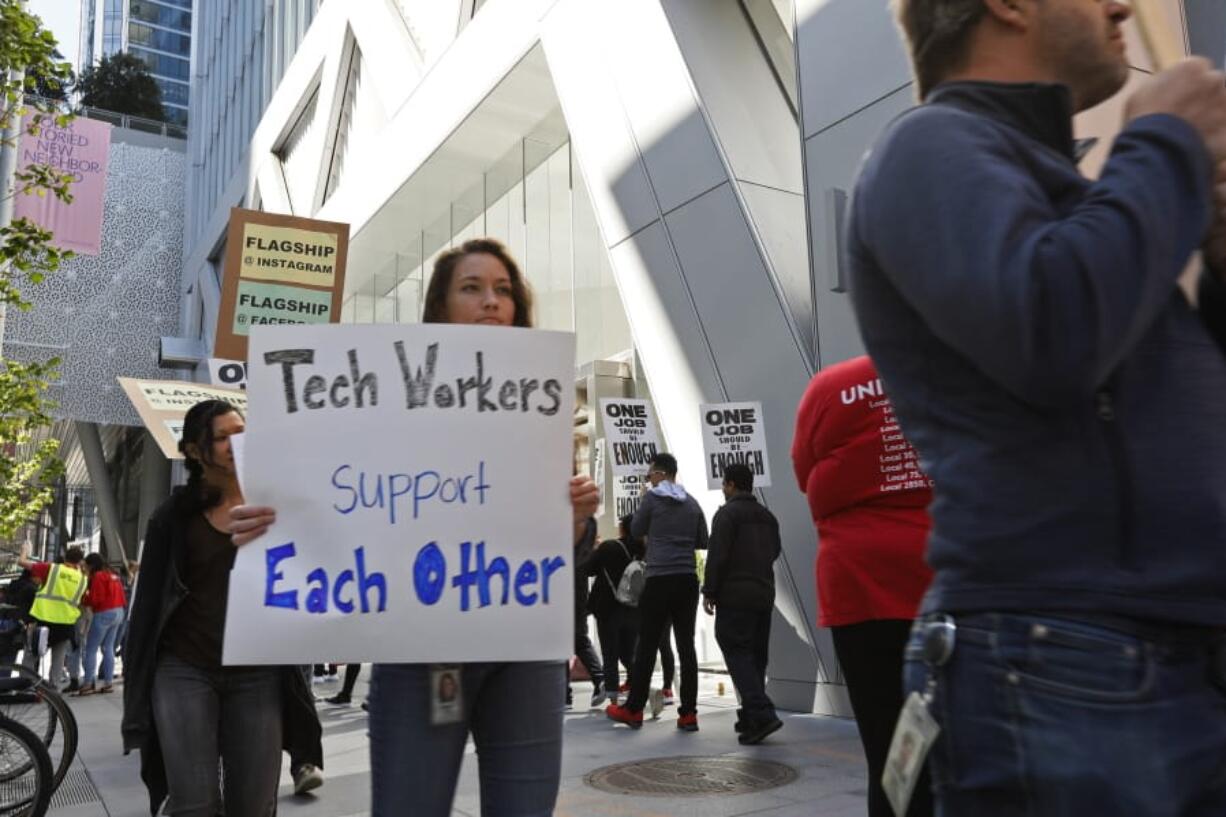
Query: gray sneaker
[(307, 777), (656, 701)]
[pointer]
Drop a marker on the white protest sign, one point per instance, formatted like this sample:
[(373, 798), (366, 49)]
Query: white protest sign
[(420, 476), (598, 463), (229, 373), (630, 429), (733, 432), (628, 494)]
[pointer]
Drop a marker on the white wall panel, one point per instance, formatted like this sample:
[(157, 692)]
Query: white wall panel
[(849, 56), (625, 204)]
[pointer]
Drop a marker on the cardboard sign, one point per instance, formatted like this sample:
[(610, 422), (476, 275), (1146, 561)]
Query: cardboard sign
[(279, 270), (733, 432), (162, 405), (630, 429), (231, 374), (420, 475)]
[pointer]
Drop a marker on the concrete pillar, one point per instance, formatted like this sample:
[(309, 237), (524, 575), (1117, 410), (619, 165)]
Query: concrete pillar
[(154, 482), (104, 492)]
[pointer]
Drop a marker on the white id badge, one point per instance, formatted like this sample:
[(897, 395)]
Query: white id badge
[(446, 695), (913, 738)]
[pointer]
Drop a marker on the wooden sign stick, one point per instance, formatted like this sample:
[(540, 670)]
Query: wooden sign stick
[(1163, 47)]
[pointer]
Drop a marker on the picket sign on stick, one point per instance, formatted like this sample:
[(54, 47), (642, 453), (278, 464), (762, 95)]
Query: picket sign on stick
[(1163, 47)]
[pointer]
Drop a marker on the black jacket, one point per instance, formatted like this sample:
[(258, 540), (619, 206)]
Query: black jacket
[(606, 565), (159, 591), (741, 555)]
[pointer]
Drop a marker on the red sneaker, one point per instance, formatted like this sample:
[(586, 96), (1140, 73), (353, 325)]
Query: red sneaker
[(627, 716), (687, 723), (624, 687)]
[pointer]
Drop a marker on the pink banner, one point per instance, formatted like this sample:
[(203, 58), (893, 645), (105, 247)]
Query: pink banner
[(81, 149)]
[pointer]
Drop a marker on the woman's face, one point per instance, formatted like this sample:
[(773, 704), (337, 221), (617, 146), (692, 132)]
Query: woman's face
[(221, 457), (480, 292)]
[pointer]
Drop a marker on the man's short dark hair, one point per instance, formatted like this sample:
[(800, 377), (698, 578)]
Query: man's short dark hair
[(740, 476), (73, 556), (938, 35), (666, 463)]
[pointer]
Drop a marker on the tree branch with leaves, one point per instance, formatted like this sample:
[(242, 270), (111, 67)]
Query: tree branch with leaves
[(28, 469)]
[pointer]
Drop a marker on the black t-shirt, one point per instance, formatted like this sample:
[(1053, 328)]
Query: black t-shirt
[(194, 633)]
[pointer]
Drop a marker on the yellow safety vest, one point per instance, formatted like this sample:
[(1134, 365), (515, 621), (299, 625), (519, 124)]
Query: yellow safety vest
[(58, 601)]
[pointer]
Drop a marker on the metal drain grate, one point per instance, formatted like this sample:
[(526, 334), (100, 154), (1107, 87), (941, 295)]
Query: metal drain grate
[(691, 776), (76, 790)]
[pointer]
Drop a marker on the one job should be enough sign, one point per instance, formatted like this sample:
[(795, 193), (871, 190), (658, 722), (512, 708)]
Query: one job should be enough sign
[(419, 474)]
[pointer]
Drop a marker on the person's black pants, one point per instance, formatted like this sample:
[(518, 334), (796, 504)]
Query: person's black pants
[(668, 662), (352, 671), (871, 653), (618, 629), (666, 597), (586, 654), (744, 639)]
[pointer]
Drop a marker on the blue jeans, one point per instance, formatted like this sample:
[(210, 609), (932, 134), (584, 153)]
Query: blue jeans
[(228, 717), (103, 631), (1054, 716), (514, 712)]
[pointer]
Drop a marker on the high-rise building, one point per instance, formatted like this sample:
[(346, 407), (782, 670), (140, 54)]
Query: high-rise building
[(157, 31)]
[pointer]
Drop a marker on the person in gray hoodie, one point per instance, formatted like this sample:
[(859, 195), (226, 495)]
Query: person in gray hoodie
[(675, 528)]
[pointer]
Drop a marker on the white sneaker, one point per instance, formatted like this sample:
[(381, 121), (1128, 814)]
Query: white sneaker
[(655, 699), (308, 777)]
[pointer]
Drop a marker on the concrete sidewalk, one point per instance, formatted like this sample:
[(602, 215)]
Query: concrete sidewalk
[(825, 753)]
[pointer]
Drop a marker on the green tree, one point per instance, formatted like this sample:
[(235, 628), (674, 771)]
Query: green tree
[(28, 470), (122, 83)]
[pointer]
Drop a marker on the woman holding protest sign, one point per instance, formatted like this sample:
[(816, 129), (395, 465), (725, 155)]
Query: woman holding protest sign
[(513, 710), (186, 713)]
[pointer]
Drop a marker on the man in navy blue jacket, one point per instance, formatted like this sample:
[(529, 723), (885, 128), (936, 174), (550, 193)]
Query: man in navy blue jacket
[(1068, 402)]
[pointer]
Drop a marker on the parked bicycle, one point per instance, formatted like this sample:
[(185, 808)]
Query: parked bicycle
[(26, 778), (30, 701)]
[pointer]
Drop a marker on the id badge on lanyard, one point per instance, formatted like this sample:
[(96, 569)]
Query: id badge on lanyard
[(917, 730), (446, 694)]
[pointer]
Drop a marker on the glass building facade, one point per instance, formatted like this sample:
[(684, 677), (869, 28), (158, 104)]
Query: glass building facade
[(156, 31)]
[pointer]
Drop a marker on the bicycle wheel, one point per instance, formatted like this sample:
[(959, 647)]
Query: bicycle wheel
[(24, 793), (29, 700)]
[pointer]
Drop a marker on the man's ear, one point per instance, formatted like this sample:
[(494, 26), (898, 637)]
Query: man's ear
[(1012, 13)]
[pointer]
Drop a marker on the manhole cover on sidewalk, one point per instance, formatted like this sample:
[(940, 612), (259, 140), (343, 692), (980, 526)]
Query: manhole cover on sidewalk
[(691, 776)]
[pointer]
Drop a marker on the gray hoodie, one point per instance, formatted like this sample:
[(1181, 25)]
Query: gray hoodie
[(674, 526)]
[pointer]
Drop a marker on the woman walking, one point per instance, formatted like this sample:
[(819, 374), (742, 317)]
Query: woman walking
[(106, 598), (193, 720)]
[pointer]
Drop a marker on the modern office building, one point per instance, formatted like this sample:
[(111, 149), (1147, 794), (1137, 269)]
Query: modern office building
[(102, 316), (157, 31), (670, 173)]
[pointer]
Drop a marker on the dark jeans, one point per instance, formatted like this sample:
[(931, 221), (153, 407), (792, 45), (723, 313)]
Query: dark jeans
[(871, 654), (1069, 716), (618, 629), (664, 598), (230, 715), (744, 638), (586, 654), (513, 711)]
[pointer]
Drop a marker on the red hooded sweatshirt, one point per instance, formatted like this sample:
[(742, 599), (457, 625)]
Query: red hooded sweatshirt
[(867, 495)]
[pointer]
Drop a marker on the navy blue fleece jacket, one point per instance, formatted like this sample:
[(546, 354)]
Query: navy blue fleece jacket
[(1068, 402)]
